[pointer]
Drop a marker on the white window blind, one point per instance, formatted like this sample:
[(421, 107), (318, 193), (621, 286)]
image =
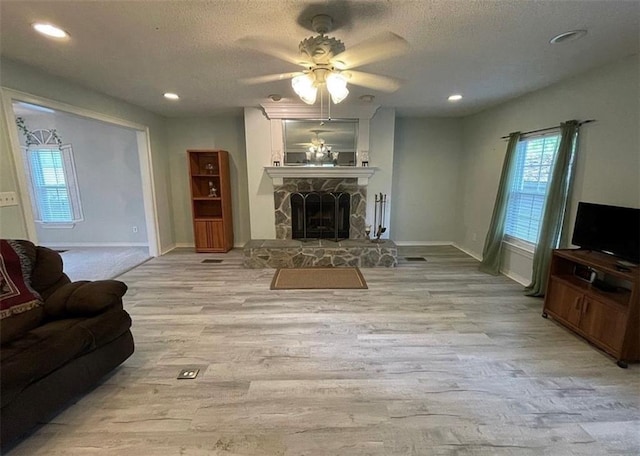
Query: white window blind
[(55, 193), (534, 162)]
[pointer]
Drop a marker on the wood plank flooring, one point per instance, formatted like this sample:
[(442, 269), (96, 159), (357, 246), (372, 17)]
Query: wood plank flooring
[(435, 358)]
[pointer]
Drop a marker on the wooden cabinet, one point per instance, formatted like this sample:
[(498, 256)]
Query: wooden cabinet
[(604, 322), (211, 200), (564, 301), (605, 314)]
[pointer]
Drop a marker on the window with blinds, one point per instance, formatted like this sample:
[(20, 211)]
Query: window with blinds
[(535, 156), (55, 195)]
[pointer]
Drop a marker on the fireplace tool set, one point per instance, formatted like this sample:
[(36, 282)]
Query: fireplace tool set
[(379, 217)]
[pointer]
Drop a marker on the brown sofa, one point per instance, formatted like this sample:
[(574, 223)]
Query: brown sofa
[(58, 344)]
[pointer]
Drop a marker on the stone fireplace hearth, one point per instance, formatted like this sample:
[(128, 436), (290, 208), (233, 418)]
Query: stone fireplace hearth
[(287, 252), (363, 253)]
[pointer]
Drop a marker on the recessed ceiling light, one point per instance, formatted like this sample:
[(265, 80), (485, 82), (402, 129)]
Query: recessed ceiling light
[(568, 36), (171, 96), (455, 97), (50, 30), (275, 97), (367, 98)]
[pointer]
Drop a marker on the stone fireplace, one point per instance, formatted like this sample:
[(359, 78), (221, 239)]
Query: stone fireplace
[(335, 208), (320, 215), (270, 187)]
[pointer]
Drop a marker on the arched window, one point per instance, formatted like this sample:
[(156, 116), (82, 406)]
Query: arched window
[(52, 175)]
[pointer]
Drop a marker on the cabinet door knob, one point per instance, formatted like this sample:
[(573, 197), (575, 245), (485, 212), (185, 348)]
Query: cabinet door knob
[(577, 302)]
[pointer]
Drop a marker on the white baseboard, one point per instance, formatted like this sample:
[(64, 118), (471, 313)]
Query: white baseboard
[(167, 249), (516, 277), (512, 275), (184, 245), (468, 252), (191, 245), (422, 243), (68, 245)]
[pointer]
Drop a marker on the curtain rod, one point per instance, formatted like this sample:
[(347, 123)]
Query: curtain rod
[(549, 128)]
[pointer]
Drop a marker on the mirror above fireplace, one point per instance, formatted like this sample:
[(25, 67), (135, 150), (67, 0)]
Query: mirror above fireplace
[(320, 143)]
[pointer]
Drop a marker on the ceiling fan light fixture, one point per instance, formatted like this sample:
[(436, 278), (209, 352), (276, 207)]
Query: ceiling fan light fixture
[(304, 86), (337, 87)]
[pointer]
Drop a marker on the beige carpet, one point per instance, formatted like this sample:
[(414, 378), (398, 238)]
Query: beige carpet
[(101, 263), (318, 278)]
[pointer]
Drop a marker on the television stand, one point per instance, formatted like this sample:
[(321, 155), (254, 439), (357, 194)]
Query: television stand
[(626, 264), (604, 312), (604, 286)]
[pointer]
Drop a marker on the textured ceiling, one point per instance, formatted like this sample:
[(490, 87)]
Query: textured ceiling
[(490, 51)]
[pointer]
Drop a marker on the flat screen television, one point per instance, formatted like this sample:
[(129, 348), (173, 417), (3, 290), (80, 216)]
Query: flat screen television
[(611, 229)]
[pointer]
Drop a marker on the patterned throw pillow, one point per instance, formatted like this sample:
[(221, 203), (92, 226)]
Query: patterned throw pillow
[(20, 305)]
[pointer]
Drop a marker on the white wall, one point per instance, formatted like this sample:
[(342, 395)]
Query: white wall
[(26, 79), (426, 180), (608, 167), (381, 144), (608, 160), (12, 221), (225, 133), (261, 204), (109, 180)]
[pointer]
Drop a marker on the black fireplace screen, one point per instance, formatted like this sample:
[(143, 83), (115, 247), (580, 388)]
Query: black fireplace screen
[(320, 215)]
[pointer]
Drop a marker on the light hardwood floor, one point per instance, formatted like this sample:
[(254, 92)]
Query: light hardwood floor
[(435, 358)]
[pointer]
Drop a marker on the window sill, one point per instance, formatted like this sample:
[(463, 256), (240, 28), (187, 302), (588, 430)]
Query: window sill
[(56, 226), (524, 248)]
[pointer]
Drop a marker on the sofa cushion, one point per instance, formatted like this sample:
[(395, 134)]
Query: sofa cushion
[(85, 299), (20, 305), (50, 346), (48, 275)]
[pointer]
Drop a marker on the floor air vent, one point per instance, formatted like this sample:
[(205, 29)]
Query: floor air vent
[(415, 258), (211, 260)]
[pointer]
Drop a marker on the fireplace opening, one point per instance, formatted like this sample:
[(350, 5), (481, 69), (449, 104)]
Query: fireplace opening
[(320, 215)]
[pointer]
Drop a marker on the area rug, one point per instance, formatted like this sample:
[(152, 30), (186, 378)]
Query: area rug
[(318, 278)]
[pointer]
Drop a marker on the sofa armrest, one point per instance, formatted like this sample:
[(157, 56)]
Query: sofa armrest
[(84, 299)]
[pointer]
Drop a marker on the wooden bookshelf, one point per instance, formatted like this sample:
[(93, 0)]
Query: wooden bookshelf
[(210, 200)]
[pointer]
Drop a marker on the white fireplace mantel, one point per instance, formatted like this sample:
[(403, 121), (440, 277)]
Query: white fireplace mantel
[(362, 173)]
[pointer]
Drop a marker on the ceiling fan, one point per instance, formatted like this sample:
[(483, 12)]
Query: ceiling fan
[(317, 149), (327, 63)]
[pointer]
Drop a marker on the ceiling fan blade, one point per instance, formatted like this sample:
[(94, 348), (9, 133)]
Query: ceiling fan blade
[(275, 49), (269, 78), (379, 47), (373, 81)]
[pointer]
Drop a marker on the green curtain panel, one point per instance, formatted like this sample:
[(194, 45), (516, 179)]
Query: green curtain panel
[(492, 251), (554, 208)]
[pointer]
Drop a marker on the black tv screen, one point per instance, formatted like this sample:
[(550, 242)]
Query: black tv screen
[(610, 229)]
